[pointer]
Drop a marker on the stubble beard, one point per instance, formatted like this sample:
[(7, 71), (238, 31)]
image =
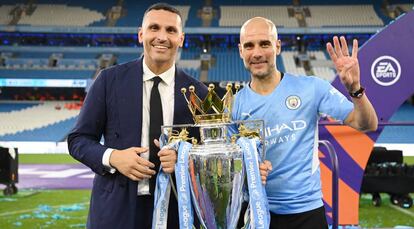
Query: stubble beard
[(261, 75)]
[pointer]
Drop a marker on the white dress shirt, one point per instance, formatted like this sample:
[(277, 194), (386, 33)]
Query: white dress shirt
[(166, 89)]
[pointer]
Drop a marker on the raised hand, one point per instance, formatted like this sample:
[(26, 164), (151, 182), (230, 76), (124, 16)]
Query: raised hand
[(347, 66), (130, 164)]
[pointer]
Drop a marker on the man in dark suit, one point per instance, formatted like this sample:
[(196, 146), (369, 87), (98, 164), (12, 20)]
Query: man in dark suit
[(119, 106)]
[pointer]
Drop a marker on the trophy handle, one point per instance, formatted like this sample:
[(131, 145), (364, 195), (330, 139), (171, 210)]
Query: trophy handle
[(253, 128)]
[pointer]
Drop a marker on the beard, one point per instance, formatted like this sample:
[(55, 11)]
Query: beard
[(261, 74)]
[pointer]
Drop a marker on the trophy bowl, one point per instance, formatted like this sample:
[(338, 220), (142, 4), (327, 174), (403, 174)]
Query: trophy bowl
[(216, 178)]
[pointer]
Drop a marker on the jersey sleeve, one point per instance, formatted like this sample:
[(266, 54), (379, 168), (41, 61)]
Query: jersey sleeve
[(232, 129), (332, 102), (235, 108)]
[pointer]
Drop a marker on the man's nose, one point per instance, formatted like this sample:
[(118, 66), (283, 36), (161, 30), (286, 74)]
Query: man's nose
[(257, 53), (162, 36)]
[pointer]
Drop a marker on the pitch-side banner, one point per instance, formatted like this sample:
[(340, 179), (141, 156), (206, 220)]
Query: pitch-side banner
[(387, 73)]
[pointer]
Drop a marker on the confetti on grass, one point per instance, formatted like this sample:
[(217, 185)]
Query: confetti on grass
[(18, 224), (44, 208), (44, 211), (7, 199), (71, 208), (25, 216), (59, 216), (50, 215), (40, 216)]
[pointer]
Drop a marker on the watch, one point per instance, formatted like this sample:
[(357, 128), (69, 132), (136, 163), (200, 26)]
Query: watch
[(357, 94)]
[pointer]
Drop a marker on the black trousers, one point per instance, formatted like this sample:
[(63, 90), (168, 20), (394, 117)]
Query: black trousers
[(145, 208), (314, 219)]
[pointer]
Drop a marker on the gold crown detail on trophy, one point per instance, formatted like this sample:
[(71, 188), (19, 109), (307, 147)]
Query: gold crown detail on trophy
[(212, 109)]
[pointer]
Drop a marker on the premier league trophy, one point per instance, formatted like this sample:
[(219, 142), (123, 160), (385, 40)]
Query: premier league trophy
[(213, 172)]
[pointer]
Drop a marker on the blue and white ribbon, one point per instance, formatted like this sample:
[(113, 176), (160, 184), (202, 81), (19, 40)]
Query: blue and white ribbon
[(259, 208), (161, 201), (162, 193), (183, 187)]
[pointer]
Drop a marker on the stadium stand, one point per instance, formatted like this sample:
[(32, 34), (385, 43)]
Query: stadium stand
[(324, 73), (227, 66), (60, 63), (35, 63), (348, 15), (62, 15), (9, 107), (321, 66), (237, 15), (125, 57), (127, 13), (5, 17), (22, 73), (31, 118), (56, 132), (194, 72), (132, 11), (190, 53), (289, 63), (46, 54)]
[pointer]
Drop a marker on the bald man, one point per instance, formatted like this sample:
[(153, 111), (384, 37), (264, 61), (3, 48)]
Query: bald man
[(291, 106)]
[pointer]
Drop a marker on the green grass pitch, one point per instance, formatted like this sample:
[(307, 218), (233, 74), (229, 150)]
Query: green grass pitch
[(69, 208)]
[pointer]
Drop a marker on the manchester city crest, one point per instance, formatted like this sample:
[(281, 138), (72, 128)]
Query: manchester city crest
[(293, 102)]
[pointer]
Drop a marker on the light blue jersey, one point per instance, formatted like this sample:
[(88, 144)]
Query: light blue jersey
[(291, 113)]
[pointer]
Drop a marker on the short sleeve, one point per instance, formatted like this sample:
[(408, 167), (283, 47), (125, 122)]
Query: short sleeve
[(332, 102)]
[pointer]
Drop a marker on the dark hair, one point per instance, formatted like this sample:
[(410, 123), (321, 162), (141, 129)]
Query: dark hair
[(163, 6)]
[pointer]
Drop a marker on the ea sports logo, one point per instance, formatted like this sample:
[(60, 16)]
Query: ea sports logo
[(386, 70)]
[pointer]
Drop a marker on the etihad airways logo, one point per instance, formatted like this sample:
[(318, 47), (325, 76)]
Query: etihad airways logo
[(386, 70), (284, 132)]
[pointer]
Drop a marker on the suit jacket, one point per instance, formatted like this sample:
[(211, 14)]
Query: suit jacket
[(113, 108)]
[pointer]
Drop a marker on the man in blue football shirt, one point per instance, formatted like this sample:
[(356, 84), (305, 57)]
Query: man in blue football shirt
[(291, 106)]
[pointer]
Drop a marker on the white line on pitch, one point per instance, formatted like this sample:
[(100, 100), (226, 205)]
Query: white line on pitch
[(405, 211)]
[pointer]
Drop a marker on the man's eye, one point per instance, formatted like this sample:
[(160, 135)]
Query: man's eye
[(249, 46)]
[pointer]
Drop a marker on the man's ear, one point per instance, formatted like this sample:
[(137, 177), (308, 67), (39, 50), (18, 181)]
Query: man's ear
[(140, 40), (182, 37), (240, 51), (278, 47)]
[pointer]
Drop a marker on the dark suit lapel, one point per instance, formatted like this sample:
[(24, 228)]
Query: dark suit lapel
[(130, 103)]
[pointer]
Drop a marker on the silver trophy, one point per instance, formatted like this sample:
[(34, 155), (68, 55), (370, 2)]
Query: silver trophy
[(216, 171)]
